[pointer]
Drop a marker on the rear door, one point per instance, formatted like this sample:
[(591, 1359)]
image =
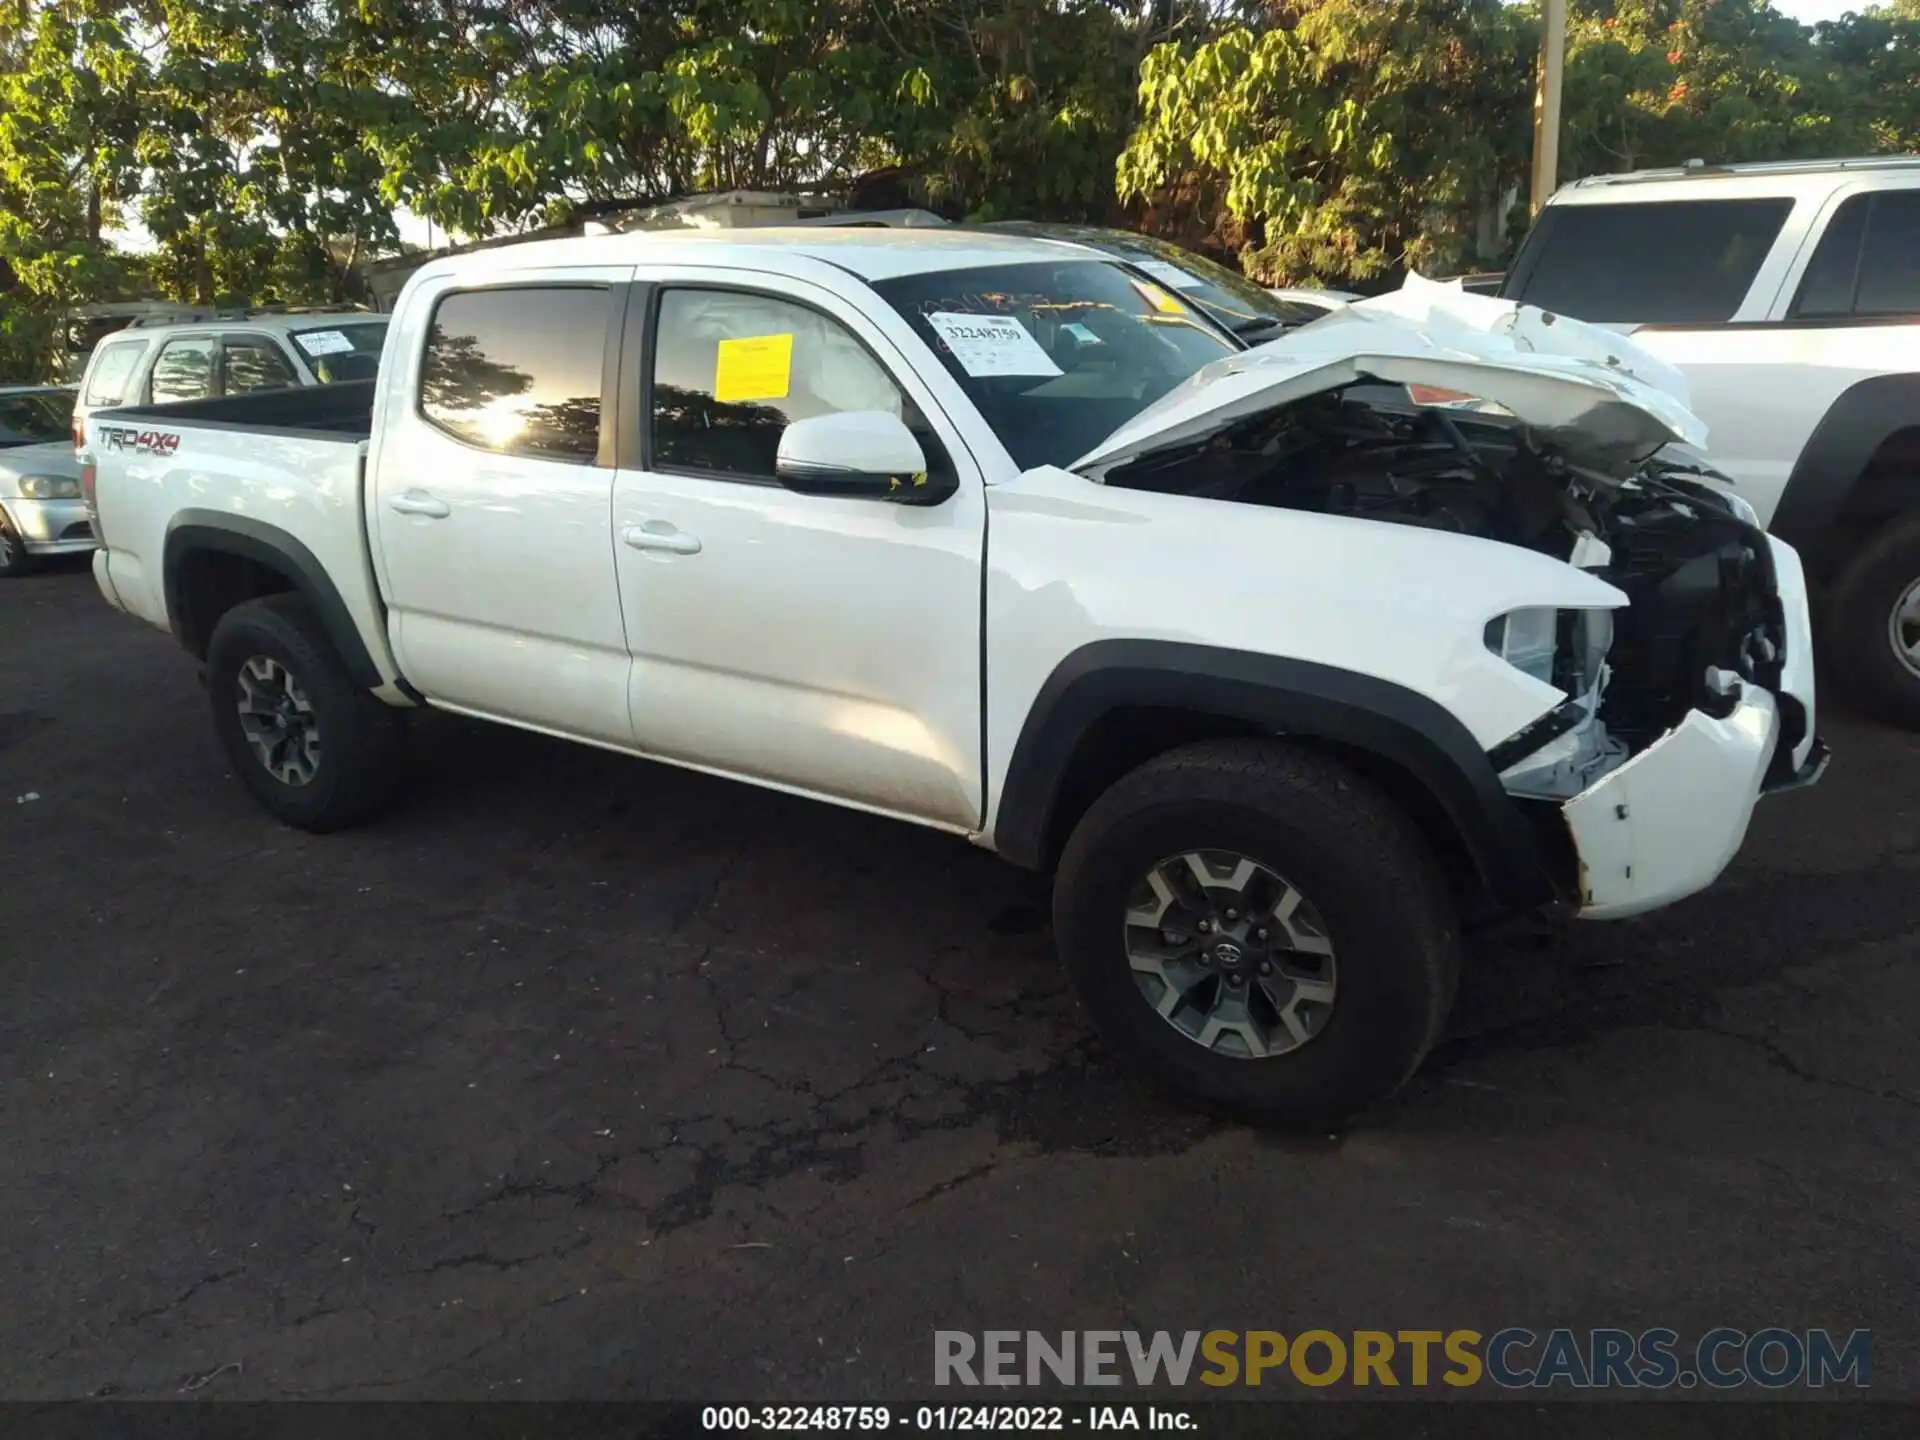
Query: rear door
[(824, 643), (490, 501), (251, 361), (185, 369)]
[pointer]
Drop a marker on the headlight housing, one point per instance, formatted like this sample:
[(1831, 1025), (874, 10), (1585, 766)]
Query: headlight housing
[(49, 487), (1740, 508), (1566, 649)]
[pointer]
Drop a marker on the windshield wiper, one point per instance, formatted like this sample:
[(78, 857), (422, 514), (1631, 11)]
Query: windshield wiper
[(1258, 324)]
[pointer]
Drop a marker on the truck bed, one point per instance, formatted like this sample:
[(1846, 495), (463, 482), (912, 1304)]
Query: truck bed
[(323, 412), (272, 479)]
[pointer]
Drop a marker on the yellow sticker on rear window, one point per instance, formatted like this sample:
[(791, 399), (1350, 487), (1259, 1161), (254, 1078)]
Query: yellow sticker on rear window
[(757, 367)]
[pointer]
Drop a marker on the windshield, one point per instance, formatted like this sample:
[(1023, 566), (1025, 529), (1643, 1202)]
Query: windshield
[(1056, 356), (1224, 295), (1667, 262), (344, 350), (35, 417)]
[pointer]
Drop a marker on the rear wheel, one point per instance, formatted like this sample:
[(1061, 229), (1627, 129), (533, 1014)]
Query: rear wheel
[(316, 750), (1259, 929), (1874, 629)]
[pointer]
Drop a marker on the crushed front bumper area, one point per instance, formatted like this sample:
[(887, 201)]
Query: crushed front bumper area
[(1665, 824)]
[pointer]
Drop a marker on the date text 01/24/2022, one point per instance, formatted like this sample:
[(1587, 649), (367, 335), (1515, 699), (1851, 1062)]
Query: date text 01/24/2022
[(998, 1418)]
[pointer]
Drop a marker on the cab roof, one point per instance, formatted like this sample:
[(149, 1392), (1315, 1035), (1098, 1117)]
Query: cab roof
[(871, 253), (1783, 179)]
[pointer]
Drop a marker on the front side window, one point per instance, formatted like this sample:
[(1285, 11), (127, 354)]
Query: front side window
[(347, 350), (1056, 355), (732, 370), (184, 370), (517, 370), (249, 364), (1665, 262), (112, 368)]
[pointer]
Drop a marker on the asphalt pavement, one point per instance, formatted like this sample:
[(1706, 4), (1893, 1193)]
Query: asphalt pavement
[(578, 1077)]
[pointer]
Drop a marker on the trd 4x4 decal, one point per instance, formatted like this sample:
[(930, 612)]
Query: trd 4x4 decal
[(141, 442)]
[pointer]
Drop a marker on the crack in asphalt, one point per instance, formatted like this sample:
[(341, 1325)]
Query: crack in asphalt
[(1780, 1058)]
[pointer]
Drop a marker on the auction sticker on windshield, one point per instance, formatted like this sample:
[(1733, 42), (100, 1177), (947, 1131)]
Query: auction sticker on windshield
[(323, 342), (1168, 274), (991, 344)]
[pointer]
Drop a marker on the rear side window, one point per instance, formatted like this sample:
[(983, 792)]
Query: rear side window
[(112, 367), (1827, 287), (1890, 263), (251, 364), (1668, 262), (518, 370), (1868, 260), (184, 370)]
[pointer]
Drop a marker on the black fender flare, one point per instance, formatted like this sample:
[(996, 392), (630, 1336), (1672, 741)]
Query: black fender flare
[(1283, 697), (198, 531), (1836, 455)]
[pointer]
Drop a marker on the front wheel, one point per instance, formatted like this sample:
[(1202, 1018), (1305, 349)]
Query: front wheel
[(1874, 622), (316, 750), (14, 559), (1259, 929)]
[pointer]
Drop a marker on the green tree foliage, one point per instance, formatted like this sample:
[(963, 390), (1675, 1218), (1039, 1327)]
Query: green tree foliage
[(533, 110), (1348, 139), (66, 135), (263, 146)]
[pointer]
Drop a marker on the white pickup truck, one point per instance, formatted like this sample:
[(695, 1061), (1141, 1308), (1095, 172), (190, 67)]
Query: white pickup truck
[(1286, 676), (1788, 295)]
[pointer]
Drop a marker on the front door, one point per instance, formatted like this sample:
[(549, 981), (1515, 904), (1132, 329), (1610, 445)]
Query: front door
[(826, 644), (491, 504)]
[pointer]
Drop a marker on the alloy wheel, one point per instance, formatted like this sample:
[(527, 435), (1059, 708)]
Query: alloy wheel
[(278, 721), (1230, 954), (1903, 627)]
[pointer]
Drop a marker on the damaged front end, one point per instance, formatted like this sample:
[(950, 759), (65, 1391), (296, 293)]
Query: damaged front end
[(1680, 708)]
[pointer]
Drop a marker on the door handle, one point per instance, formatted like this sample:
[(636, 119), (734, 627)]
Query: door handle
[(418, 502), (659, 535)]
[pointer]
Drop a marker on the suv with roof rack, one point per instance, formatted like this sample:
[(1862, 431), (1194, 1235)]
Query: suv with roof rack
[(224, 354), (1788, 295)]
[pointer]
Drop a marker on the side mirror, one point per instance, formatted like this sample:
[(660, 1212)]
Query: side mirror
[(869, 454)]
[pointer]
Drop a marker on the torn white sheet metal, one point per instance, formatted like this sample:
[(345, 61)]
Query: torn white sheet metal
[(1666, 823), (1531, 330), (1584, 392), (1796, 670)]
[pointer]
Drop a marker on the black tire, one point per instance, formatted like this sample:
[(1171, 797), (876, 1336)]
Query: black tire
[(361, 741), (1860, 612), (1331, 835), (14, 559)]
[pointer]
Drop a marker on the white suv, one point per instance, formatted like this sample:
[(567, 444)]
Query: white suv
[(235, 355), (1788, 295)]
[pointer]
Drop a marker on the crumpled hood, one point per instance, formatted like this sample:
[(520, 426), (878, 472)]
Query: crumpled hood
[(1586, 393)]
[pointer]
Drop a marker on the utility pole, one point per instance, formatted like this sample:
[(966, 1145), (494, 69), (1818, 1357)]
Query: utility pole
[(1546, 101)]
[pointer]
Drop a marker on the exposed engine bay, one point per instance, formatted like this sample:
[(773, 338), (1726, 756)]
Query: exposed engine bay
[(1704, 612)]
